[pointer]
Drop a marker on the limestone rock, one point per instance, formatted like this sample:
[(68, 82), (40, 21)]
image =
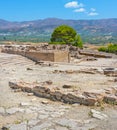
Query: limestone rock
[(111, 99), (45, 102), (97, 94), (25, 104), (98, 115)]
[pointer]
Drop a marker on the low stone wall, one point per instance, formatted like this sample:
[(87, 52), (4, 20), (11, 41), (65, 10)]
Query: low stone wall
[(37, 56), (57, 53), (90, 98), (95, 54), (44, 55)]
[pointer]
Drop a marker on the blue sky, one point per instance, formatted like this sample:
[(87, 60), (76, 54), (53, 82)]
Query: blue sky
[(25, 10)]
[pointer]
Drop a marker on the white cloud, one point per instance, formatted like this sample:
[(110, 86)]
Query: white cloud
[(73, 4), (93, 14), (93, 9), (80, 10)]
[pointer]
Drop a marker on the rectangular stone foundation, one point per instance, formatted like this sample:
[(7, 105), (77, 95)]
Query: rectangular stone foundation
[(53, 56)]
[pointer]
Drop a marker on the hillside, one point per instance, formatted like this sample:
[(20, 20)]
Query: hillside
[(93, 31)]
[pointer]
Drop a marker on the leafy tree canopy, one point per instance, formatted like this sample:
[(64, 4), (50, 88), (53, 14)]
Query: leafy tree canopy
[(65, 35)]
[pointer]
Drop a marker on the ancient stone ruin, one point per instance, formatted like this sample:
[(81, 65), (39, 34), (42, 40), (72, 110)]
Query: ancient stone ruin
[(53, 53), (59, 53), (37, 55), (64, 94)]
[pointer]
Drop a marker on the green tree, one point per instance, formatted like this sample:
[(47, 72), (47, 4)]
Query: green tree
[(78, 41), (65, 35)]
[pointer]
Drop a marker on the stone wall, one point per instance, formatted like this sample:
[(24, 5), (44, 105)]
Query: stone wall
[(53, 56), (63, 56), (95, 54), (56, 53), (92, 97), (36, 54)]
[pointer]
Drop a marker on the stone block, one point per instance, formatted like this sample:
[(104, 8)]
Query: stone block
[(95, 94), (89, 101), (111, 99), (53, 56), (98, 115), (58, 95)]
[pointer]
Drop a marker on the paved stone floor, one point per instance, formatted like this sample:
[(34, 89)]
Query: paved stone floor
[(21, 111)]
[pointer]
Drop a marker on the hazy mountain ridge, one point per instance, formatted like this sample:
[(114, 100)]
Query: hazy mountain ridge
[(101, 27)]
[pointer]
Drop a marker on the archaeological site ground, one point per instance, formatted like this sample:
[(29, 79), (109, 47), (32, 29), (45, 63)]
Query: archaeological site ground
[(57, 87)]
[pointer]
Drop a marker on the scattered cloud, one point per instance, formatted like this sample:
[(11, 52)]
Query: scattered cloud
[(93, 9), (80, 10), (73, 4), (93, 14)]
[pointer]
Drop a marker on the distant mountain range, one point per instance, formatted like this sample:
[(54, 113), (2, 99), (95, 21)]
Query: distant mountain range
[(103, 30)]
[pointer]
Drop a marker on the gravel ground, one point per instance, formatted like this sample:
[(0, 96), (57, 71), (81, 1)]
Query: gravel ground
[(19, 111)]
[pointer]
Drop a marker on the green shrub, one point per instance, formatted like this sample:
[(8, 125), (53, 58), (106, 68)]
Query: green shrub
[(111, 48)]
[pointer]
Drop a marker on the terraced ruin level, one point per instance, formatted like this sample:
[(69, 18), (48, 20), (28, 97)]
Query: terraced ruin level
[(61, 73)]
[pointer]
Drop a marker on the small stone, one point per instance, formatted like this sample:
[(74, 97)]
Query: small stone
[(49, 82), (67, 86), (98, 115), (44, 102), (25, 104), (30, 94), (111, 99), (69, 71), (29, 69)]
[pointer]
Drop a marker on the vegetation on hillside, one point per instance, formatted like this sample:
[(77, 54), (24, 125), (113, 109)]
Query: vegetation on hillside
[(32, 38), (111, 48), (64, 34), (92, 31)]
